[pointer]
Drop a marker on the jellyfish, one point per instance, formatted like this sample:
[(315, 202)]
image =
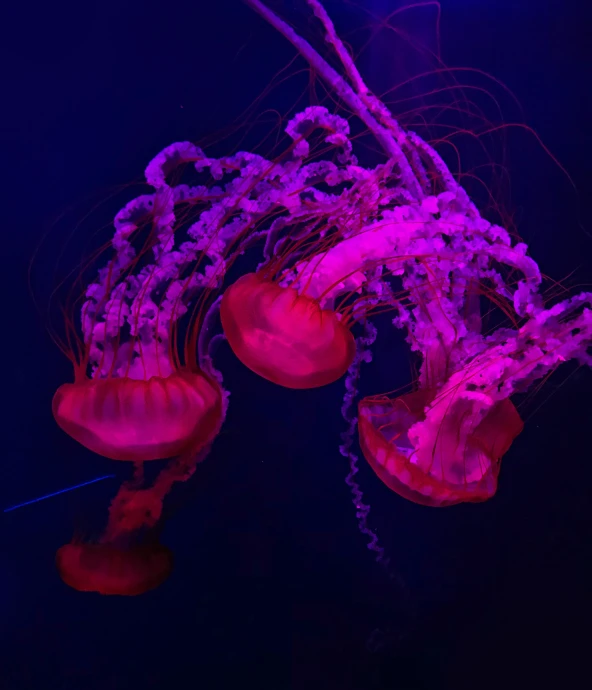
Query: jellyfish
[(446, 448), (284, 321), (288, 332), (137, 394), (452, 472)]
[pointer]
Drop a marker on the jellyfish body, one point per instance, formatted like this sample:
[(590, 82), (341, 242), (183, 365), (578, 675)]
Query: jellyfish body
[(106, 569), (455, 469), (284, 336), (139, 420)]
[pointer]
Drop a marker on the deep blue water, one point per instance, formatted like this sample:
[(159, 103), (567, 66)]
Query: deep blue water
[(273, 586)]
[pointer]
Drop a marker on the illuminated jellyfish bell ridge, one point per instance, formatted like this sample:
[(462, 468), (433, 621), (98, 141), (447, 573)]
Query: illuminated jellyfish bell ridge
[(140, 420)]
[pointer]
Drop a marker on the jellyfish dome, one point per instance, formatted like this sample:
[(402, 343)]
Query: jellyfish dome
[(106, 569), (457, 469), (284, 336), (139, 420)]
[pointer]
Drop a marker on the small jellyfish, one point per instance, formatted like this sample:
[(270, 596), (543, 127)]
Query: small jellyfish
[(107, 569)]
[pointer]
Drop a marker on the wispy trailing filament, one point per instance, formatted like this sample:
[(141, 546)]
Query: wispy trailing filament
[(58, 493)]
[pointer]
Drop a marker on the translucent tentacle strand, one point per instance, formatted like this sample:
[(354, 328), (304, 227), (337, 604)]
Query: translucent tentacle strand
[(363, 354)]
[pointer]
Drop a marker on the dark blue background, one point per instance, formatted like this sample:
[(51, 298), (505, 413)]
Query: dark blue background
[(273, 586)]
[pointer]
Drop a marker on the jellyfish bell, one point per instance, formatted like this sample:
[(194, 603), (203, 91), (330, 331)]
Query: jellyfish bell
[(111, 570), (140, 420), (443, 446), (284, 336), (453, 468)]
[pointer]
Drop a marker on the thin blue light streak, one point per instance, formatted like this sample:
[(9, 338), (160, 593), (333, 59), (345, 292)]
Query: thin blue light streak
[(57, 493)]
